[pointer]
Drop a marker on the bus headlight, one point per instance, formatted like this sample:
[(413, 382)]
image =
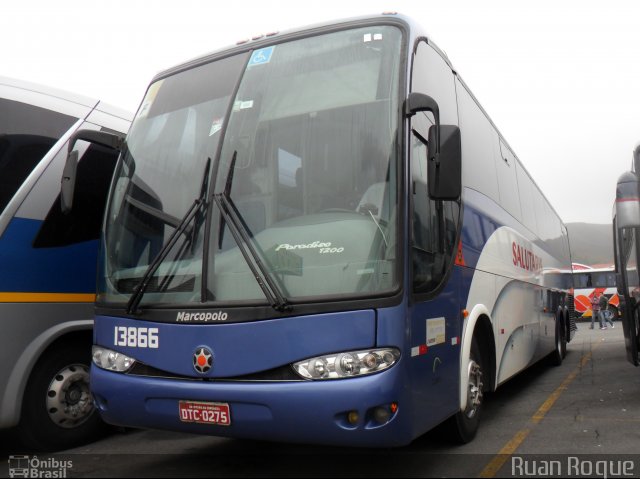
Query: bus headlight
[(347, 364), (111, 360)]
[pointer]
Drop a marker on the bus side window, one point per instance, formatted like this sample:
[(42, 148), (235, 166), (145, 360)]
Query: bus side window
[(435, 223), (19, 155), (27, 133), (84, 222), (430, 226)]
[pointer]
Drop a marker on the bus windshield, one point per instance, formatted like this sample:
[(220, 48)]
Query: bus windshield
[(299, 140)]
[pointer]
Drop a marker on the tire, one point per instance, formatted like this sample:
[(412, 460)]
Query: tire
[(560, 350), (463, 426), (57, 408)]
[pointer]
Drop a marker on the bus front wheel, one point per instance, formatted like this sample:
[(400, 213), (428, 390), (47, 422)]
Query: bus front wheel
[(57, 409), (464, 424)]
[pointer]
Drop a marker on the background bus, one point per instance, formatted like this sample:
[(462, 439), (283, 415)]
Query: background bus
[(48, 261), (626, 246), (320, 236), (589, 281)]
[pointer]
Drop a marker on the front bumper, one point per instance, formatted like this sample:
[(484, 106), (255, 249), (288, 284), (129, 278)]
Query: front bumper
[(296, 411)]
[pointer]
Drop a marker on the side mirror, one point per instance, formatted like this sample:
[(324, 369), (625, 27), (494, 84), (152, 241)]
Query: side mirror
[(102, 138), (445, 150), (68, 182), (627, 201), (445, 175)]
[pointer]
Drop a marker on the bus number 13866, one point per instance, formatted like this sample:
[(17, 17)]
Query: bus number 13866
[(136, 337)]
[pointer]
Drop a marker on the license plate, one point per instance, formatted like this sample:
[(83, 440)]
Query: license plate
[(205, 413)]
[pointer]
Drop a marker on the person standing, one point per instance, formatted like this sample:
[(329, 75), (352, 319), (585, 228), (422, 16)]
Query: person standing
[(595, 311), (606, 315)]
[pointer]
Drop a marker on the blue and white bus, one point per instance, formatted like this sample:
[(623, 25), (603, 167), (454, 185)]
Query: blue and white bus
[(48, 260), (626, 247), (320, 236)]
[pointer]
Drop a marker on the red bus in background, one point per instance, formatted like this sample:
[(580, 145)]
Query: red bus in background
[(587, 281)]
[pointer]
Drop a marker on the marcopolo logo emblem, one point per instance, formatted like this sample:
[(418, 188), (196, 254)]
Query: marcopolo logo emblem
[(202, 360)]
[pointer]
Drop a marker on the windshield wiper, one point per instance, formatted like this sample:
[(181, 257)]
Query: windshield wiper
[(240, 232), (180, 228)]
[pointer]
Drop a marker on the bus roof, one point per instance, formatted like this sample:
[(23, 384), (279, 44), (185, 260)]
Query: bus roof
[(280, 37), (29, 88)]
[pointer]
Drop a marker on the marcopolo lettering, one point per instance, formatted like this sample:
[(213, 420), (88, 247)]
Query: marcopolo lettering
[(204, 317)]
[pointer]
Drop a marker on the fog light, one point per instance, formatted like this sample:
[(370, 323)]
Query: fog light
[(353, 417), (381, 414)]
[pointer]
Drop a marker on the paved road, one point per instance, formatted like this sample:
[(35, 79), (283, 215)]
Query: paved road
[(586, 410)]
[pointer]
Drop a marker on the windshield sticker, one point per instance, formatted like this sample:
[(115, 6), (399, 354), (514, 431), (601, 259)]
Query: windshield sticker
[(149, 99), (216, 126), (368, 37), (242, 105), (260, 57)]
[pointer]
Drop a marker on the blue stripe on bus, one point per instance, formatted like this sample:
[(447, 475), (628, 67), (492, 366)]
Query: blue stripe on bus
[(23, 268)]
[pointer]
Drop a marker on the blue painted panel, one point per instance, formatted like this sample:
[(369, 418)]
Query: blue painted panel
[(245, 348), (300, 411), (69, 269)]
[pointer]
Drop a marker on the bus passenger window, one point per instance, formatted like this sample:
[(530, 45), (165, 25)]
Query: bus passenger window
[(19, 155), (84, 222), (434, 225), (27, 133)]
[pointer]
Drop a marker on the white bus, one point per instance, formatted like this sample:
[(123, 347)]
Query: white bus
[(48, 261), (587, 283)]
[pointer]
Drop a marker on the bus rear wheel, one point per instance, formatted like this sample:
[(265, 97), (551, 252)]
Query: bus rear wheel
[(57, 409), (463, 425), (560, 350)]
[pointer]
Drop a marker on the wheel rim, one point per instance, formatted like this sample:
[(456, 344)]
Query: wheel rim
[(69, 401), (474, 393)]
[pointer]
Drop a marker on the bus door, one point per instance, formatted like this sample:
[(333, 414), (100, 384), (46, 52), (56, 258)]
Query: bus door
[(435, 318)]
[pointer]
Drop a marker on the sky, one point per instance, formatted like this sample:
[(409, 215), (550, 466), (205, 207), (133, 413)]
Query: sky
[(559, 78)]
